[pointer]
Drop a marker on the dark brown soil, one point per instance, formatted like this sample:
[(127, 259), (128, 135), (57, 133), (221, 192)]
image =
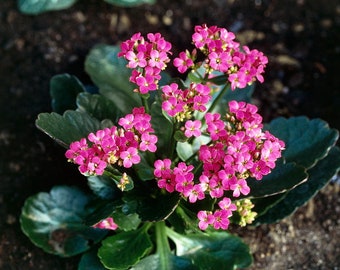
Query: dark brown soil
[(300, 37)]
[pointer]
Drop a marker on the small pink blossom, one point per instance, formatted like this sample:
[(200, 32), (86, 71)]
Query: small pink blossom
[(183, 62), (130, 157), (192, 128), (107, 224), (205, 219), (148, 142)]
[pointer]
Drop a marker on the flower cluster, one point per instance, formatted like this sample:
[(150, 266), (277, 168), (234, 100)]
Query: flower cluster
[(147, 58), (242, 65), (181, 103), (238, 149), (114, 145)]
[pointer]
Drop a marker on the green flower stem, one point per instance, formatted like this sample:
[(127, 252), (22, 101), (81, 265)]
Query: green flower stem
[(145, 104), (173, 142), (218, 98), (163, 248)]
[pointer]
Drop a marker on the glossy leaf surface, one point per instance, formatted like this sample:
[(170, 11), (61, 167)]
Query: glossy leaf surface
[(55, 221), (110, 74), (307, 141), (319, 176), (124, 249), (69, 127), (219, 250), (64, 89)]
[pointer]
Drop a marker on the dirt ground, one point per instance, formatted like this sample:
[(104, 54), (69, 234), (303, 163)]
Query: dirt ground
[(301, 38)]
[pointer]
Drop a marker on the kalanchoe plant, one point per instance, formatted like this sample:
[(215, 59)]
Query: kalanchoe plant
[(172, 163)]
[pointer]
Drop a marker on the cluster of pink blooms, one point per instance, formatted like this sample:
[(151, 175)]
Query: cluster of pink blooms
[(181, 103), (242, 65), (107, 223), (238, 149), (114, 145), (147, 58)]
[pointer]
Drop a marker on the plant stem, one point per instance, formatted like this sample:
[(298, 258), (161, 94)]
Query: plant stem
[(145, 102), (218, 98), (163, 248)]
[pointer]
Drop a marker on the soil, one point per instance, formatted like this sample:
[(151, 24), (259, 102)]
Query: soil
[(300, 37)]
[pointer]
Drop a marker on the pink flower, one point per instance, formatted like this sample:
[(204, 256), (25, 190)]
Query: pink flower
[(205, 219), (130, 157), (172, 106), (183, 62), (227, 205), (196, 193), (221, 220), (148, 142), (192, 128), (238, 187), (107, 224), (135, 60), (168, 184)]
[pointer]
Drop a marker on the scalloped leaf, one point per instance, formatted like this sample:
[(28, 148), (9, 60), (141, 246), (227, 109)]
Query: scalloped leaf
[(125, 249), (307, 141), (55, 221), (153, 262), (90, 261), (69, 127), (64, 89), (103, 186), (126, 221), (98, 107), (111, 76), (217, 250), (284, 177), (130, 3), (319, 176), (35, 7)]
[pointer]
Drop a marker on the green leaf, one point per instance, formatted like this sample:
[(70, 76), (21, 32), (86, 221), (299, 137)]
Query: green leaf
[(103, 186), (98, 107), (284, 177), (126, 221), (152, 262), (185, 150), (129, 3), (151, 208), (319, 176), (218, 250), (64, 89), (244, 94), (262, 205), (111, 76), (90, 261), (100, 209), (34, 7), (143, 169), (307, 141), (55, 221), (162, 126), (70, 127), (124, 249)]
